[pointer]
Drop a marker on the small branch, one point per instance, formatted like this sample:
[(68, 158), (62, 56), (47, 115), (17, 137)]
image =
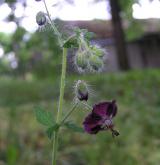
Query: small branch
[(53, 26), (69, 113), (87, 105)]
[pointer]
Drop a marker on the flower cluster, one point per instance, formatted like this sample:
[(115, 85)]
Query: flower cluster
[(89, 58)]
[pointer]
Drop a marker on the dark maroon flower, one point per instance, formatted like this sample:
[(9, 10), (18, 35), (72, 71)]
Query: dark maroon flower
[(101, 118)]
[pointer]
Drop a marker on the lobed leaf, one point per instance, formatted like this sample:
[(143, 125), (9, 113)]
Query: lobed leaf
[(44, 117)]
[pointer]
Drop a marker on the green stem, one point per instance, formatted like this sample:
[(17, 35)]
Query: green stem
[(87, 105), (60, 106), (53, 26), (62, 85), (69, 113), (55, 144)]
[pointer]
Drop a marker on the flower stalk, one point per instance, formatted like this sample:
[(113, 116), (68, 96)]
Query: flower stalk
[(59, 36), (62, 86), (69, 113), (60, 106), (55, 145)]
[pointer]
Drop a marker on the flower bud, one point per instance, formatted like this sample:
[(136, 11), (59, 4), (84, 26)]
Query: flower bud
[(41, 18), (81, 91), (95, 62), (81, 60), (97, 51)]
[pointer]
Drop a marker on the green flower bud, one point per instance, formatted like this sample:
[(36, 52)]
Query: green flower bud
[(81, 60), (97, 51), (95, 62)]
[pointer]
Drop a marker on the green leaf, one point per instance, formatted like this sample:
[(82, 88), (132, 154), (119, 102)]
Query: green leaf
[(71, 42), (44, 117), (73, 127), (12, 154), (51, 130)]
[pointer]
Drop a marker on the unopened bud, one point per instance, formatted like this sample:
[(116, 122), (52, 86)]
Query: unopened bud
[(41, 18), (81, 90), (95, 62), (97, 51), (81, 60)]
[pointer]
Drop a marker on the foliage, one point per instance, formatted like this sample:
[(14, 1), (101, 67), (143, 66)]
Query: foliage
[(137, 96), (32, 56), (43, 116), (134, 28)]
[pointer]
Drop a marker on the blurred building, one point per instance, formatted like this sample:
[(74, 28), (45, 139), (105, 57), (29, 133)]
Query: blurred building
[(143, 52)]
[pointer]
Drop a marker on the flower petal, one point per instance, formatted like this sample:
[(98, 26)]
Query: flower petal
[(112, 109), (104, 109), (92, 123)]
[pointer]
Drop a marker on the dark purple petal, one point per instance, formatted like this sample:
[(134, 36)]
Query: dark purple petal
[(100, 109), (105, 109), (112, 109), (92, 123), (95, 129)]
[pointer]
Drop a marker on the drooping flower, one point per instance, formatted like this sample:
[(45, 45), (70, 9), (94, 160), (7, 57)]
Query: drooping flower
[(101, 118)]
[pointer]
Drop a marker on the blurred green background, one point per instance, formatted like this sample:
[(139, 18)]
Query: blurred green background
[(23, 140), (29, 76)]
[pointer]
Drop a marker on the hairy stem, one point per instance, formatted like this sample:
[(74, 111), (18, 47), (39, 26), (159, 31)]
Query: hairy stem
[(60, 106), (55, 142), (69, 113), (62, 85), (54, 152), (87, 105), (53, 26)]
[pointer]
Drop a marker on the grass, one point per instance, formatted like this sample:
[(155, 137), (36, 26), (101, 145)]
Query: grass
[(23, 141)]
